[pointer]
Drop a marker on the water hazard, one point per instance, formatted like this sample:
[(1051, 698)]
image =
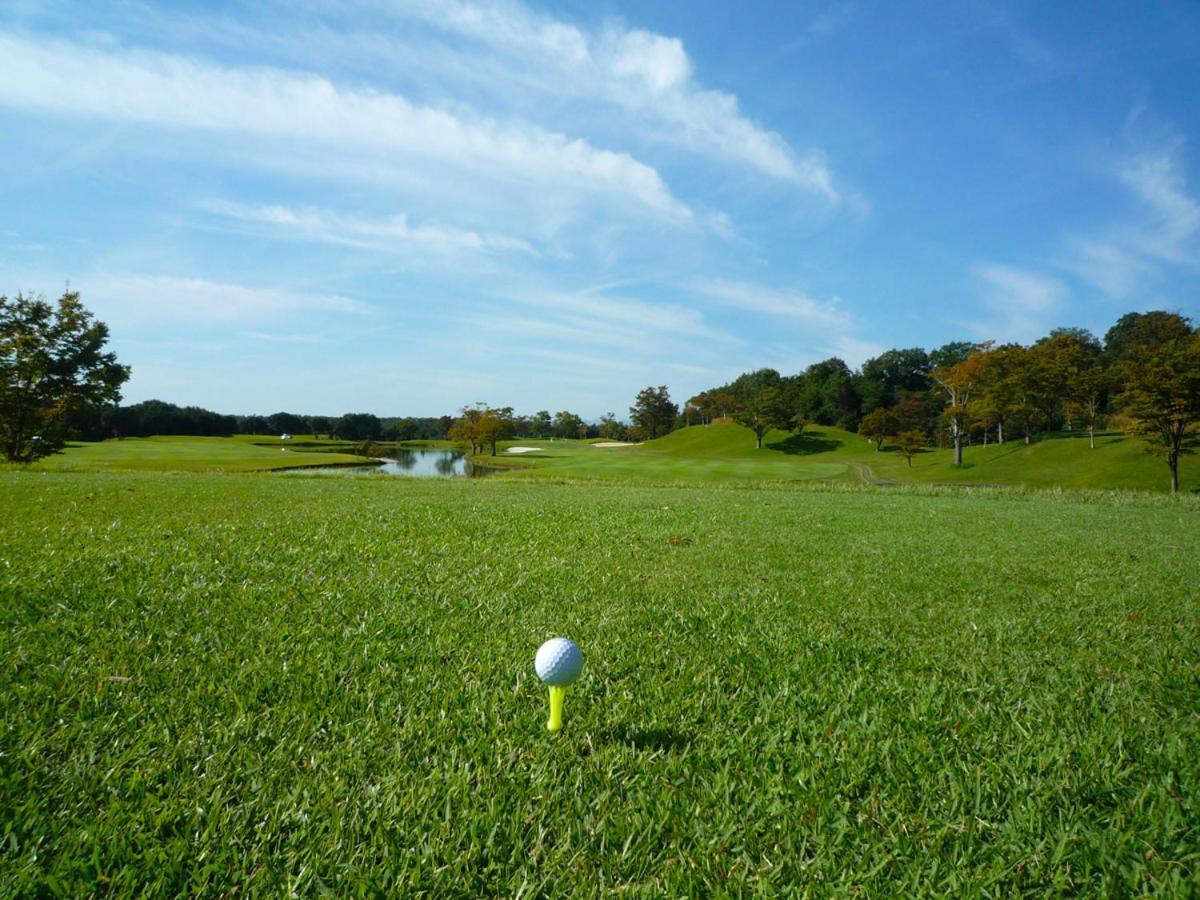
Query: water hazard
[(411, 464)]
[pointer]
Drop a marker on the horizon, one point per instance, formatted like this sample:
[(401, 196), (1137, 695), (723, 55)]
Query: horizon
[(419, 206)]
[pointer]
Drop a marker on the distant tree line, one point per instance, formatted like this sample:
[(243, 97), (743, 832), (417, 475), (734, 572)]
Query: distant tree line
[(1143, 378), (151, 417)]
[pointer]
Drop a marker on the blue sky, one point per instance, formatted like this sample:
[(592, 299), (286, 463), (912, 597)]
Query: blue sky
[(402, 207)]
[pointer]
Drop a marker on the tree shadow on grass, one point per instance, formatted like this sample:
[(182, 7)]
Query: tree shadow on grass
[(804, 444), (662, 740)]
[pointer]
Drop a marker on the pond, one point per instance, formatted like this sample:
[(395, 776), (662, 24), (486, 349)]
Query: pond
[(411, 464)]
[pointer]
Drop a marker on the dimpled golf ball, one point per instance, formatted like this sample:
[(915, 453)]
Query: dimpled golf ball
[(558, 662)]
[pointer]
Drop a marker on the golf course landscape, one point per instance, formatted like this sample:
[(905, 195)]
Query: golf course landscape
[(516, 449), (228, 683)]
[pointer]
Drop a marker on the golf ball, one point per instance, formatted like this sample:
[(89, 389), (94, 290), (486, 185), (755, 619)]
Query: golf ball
[(558, 662)]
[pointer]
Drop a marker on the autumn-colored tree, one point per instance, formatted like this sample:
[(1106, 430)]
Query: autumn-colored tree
[(909, 442), (466, 428), (495, 425), (959, 381), (1162, 396), (878, 426), (761, 412)]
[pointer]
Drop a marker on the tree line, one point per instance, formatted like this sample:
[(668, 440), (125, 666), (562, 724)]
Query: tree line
[(57, 381), (1143, 378)]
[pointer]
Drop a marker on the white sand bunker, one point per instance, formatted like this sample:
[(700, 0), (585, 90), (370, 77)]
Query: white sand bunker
[(613, 444), (522, 449)]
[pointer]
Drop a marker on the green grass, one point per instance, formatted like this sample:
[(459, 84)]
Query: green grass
[(264, 686), (728, 453), (243, 453), (697, 455)]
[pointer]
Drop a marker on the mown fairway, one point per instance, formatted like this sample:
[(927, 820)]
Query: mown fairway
[(728, 453), (258, 684)]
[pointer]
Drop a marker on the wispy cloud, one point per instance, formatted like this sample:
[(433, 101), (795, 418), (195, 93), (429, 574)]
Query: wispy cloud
[(171, 91), (825, 314), (641, 71), (270, 338), (1123, 257), (388, 234), (137, 301), (1022, 300)]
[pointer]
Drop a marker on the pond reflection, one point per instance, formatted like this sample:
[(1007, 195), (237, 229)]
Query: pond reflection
[(412, 464)]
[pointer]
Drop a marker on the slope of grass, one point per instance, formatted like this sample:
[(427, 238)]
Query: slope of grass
[(728, 452), (264, 686), (186, 454)]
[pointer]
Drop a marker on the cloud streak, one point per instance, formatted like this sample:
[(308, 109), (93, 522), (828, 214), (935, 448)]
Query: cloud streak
[(635, 69), (384, 235), (171, 91)]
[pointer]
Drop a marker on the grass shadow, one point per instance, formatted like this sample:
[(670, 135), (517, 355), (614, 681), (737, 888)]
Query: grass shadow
[(661, 740), (804, 444)]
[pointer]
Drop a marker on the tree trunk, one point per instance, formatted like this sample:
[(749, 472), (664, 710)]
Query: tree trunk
[(1173, 462), (999, 432), (758, 434), (910, 461), (1092, 435), (958, 449)]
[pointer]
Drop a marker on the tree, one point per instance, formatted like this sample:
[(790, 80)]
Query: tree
[(567, 424), (358, 427), (287, 423), (826, 393), (909, 442), (610, 428), (1000, 397), (540, 424), (494, 425), (958, 381), (319, 425), (1162, 396), (653, 412), (761, 412), (878, 426), (1134, 330), (52, 361), (884, 377), (467, 429)]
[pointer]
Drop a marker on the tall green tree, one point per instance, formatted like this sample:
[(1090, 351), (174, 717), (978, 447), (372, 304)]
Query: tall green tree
[(611, 428), (653, 412), (761, 412), (52, 361), (567, 424), (1162, 395)]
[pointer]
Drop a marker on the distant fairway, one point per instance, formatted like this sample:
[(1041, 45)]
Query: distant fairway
[(244, 453), (728, 453), (261, 686)]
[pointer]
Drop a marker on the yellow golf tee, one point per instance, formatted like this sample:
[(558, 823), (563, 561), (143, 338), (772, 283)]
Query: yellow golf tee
[(557, 693)]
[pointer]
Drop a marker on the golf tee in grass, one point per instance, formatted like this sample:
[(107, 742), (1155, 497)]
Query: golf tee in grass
[(557, 694)]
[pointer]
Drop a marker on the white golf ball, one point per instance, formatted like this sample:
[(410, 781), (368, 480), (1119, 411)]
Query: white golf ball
[(558, 662)]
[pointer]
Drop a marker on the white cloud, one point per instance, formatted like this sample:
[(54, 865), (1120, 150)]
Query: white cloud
[(1173, 215), (388, 234), (1023, 301), (772, 302), (1126, 256), (138, 301), (643, 72), (172, 91)]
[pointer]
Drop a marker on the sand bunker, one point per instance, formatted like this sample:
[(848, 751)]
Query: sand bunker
[(522, 449), (613, 444)]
